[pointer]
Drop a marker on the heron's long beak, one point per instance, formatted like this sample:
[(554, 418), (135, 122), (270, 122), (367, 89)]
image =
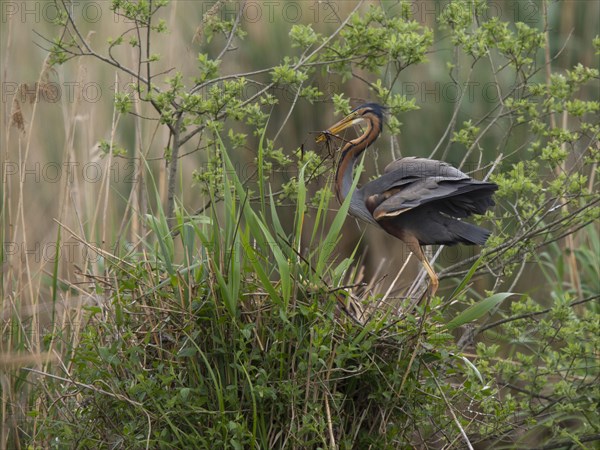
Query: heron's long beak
[(346, 122)]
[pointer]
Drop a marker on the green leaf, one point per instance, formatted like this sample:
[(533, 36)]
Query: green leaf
[(187, 352), (477, 310), (472, 367)]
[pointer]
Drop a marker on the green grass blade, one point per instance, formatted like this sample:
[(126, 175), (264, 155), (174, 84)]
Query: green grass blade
[(282, 262), (467, 278), (258, 227), (254, 404), (275, 216), (300, 209), (255, 260), (165, 240), (188, 241), (321, 213), (214, 376), (226, 292), (331, 239), (261, 180)]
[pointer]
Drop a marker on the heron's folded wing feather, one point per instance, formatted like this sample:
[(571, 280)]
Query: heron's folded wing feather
[(407, 171), (413, 167), (411, 182), (431, 190)]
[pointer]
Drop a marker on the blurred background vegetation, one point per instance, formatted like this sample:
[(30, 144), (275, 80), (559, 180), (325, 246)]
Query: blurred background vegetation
[(86, 186)]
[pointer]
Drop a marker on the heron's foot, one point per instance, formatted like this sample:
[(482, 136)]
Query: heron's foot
[(433, 286)]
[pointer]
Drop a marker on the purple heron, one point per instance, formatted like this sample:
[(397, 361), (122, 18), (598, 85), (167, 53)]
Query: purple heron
[(417, 200)]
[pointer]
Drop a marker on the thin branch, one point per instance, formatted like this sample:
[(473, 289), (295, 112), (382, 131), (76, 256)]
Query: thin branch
[(450, 408), (148, 30), (233, 30)]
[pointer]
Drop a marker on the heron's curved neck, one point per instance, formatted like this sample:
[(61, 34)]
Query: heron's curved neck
[(350, 153)]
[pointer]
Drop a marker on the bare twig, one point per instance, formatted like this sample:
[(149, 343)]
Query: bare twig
[(451, 409)]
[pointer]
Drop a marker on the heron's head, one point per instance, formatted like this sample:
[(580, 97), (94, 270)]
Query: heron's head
[(369, 112)]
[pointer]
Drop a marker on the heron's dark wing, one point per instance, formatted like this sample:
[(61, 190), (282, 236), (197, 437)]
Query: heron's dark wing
[(411, 182)]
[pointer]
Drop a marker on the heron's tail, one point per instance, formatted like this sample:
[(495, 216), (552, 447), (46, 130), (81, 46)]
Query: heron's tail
[(468, 233)]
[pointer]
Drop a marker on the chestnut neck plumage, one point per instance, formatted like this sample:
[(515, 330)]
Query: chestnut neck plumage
[(350, 153)]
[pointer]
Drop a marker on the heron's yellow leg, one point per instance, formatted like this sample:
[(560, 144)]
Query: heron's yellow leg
[(415, 247), (432, 275)]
